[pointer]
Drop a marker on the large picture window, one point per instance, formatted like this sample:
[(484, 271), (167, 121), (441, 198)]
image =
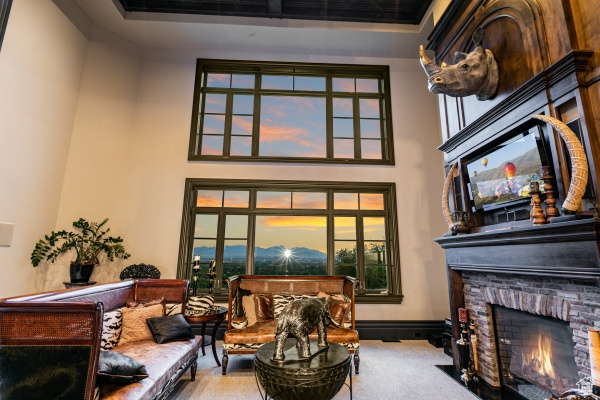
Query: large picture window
[(293, 228), (293, 112)]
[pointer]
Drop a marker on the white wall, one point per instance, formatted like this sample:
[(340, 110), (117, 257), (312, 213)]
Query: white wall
[(129, 116), (41, 62), (133, 124)]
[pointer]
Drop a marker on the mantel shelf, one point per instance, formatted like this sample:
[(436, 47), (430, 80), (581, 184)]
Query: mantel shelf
[(566, 249)]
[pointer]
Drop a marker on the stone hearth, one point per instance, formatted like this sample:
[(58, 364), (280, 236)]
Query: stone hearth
[(571, 300)]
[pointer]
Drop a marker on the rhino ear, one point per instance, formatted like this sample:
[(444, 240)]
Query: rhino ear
[(460, 56)]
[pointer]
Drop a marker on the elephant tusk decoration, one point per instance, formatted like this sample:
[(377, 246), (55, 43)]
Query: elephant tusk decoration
[(445, 193), (579, 165), (458, 221)]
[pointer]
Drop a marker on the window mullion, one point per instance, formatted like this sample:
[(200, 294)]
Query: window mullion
[(329, 117), (220, 250), (360, 252), (256, 115), (356, 124), (228, 122)]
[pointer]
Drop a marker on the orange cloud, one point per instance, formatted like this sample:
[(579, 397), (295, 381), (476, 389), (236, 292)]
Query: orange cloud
[(371, 201), (209, 198), (296, 222)]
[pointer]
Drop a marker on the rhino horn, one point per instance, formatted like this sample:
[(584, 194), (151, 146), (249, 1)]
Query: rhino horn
[(428, 65)]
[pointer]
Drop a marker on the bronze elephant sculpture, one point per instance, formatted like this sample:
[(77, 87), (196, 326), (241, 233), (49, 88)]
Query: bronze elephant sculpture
[(299, 318)]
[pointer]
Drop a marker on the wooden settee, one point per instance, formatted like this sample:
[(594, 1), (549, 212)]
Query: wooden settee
[(50, 343), (248, 339)]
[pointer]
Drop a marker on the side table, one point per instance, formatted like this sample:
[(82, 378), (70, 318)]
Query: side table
[(319, 378), (69, 285), (216, 314)]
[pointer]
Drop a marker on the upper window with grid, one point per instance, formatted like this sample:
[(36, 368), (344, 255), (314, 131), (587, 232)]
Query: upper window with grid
[(291, 112)]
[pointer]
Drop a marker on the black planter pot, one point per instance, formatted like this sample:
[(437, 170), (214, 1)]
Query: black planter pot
[(81, 272)]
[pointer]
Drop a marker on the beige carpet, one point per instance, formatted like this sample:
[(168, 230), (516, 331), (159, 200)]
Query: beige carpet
[(388, 371)]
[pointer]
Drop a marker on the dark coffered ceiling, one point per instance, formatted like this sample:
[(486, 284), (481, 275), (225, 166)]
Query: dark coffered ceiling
[(382, 11)]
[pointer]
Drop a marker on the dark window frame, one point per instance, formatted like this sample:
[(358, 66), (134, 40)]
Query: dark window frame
[(192, 185), (4, 12), (381, 72)]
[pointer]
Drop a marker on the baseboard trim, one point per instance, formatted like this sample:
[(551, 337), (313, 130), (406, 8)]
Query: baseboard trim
[(398, 330), (391, 331)]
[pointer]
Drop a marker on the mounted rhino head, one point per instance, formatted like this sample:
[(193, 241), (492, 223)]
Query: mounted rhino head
[(476, 73)]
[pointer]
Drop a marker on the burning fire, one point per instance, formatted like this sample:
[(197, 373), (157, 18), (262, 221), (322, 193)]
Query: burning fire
[(540, 359)]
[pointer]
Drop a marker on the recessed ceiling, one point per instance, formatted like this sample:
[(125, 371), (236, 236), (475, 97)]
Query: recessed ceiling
[(211, 35), (383, 11)]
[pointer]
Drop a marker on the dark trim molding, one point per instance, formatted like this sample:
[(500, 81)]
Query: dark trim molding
[(390, 331), (4, 11), (573, 62)]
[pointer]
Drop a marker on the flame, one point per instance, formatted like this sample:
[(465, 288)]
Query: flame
[(540, 359)]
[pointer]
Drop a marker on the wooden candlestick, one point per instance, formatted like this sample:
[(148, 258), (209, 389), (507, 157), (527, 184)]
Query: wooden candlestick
[(551, 210), (537, 214)]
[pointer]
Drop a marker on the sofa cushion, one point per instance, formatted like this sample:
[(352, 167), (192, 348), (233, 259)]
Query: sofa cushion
[(112, 322), (114, 367), (249, 306), (336, 335), (172, 308), (169, 328), (263, 305), (236, 302), (338, 310), (147, 303), (162, 363), (260, 332), (134, 323)]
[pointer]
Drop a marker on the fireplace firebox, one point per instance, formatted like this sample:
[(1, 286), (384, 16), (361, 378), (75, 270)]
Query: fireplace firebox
[(535, 353)]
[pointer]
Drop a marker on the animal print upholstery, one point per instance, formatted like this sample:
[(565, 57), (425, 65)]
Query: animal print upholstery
[(199, 304), (112, 324), (282, 300), (172, 308)]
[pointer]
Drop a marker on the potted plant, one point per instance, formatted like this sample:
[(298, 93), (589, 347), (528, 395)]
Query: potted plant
[(87, 243)]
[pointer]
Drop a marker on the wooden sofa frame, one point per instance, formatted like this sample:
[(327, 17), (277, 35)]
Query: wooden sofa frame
[(72, 318), (292, 285)]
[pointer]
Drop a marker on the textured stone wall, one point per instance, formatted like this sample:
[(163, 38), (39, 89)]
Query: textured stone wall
[(574, 301)]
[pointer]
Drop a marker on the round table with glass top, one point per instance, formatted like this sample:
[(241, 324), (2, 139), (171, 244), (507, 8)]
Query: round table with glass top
[(216, 314)]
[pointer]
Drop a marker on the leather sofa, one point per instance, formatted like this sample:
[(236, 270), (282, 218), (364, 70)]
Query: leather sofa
[(248, 339), (50, 343)]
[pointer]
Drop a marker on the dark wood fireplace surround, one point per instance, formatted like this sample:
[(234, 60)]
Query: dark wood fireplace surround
[(549, 62)]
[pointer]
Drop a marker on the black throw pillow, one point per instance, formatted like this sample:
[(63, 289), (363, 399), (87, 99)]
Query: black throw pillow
[(170, 328), (114, 367)]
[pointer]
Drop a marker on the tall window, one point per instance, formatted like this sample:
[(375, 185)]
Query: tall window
[(292, 112), (293, 228)]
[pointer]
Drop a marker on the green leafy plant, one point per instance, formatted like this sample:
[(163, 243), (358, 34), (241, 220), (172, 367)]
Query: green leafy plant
[(87, 244)]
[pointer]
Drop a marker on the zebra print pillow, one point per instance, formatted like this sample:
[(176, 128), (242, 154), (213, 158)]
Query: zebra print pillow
[(112, 324), (200, 303), (172, 308), (282, 300)]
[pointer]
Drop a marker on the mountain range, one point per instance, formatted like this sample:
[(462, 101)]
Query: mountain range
[(259, 252)]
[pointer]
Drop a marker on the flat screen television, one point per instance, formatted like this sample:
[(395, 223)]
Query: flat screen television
[(502, 176)]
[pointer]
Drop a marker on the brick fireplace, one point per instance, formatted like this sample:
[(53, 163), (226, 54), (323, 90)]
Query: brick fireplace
[(551, 271), (574, 301)]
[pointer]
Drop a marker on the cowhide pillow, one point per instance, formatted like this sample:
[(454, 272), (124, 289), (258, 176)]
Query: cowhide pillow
[(112, 323), (282, 300)]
